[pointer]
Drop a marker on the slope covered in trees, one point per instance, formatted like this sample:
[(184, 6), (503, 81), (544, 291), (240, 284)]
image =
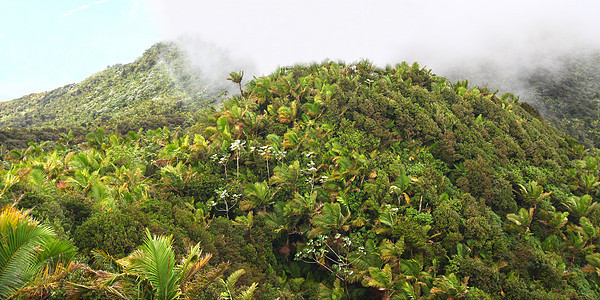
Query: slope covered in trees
[(151, 92), (570, 97), (564, 88), (329, 180)]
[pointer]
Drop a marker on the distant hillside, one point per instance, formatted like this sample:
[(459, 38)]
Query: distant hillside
[(570, 98), (564, 88), (153, 91)]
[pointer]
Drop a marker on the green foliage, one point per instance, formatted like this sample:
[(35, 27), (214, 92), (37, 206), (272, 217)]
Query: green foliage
[(450, 286), (568, 96), (117, 232), (154, 262), (580, 206), (331, 220), (259, 194), (149, 93), (31, 258), (533, 193), (229, 289), (522, 219), (153, 270), (343, 180)]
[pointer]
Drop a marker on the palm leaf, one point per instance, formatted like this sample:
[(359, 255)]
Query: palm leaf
[(201, 283), (248, 293), (380, 278), (391, 251), (232, 279), (46, 279), (155, 261), (25, 249), (103, 259), (192, 264), (330, 219)]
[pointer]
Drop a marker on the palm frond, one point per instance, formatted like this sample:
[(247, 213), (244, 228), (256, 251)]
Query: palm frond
[(104, 260), (155, 261), (201, 283), (248, 293), (192, 264), (232, 279), (22, 238), (46, 279)]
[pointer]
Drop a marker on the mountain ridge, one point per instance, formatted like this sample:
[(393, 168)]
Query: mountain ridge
[(158, 80), (167, 83)]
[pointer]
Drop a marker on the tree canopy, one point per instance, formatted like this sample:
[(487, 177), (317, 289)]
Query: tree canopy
[(328, 180)]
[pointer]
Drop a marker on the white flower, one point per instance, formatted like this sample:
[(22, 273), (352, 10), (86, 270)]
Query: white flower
[(237, 145), (280, 154), (222, 193)]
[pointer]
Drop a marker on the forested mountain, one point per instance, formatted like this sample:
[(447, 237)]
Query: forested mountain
[(329, 180), (157, 89), (564, 88)]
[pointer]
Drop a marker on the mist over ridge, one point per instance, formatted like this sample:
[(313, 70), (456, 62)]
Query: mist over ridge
[(490, 44)]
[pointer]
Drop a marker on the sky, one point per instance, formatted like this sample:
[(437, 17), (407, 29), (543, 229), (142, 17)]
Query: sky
[(47, 44)]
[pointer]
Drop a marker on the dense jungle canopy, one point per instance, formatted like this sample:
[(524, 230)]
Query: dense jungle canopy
[(323, 181)]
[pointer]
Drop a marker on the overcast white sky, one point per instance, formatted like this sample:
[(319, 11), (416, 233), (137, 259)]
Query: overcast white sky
[(45, 44), (436, 33)]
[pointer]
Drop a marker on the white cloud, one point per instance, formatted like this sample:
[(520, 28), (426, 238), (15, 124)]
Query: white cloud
[(443, 35)]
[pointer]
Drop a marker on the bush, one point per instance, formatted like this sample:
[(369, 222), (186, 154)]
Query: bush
[(116, 232)]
